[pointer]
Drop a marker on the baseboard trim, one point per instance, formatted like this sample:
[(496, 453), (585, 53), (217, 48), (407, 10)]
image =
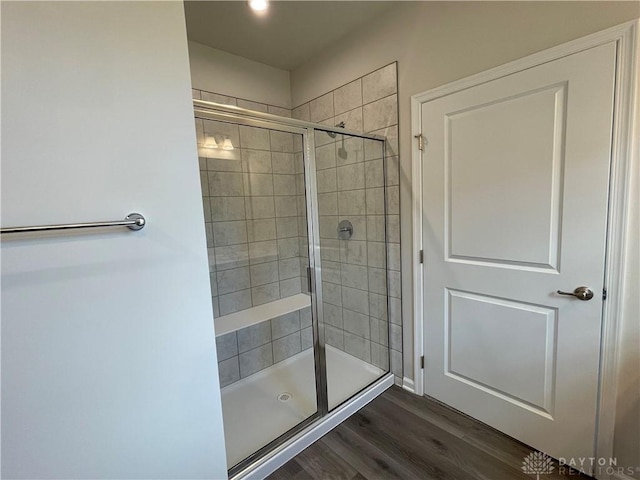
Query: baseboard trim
[(409, 385)]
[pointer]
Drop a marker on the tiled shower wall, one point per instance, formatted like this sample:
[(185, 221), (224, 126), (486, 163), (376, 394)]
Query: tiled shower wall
[(251, 349), (352, 186), (354, 282), (250, 200)]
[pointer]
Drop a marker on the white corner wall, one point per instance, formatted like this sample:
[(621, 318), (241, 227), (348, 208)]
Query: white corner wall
[(108, 349), (439, 42), (220, 72)]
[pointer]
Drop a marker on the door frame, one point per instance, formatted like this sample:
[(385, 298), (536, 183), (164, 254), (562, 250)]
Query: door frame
[(625, 164)]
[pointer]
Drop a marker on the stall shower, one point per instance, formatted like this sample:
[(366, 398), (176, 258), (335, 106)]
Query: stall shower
[(296, 233)]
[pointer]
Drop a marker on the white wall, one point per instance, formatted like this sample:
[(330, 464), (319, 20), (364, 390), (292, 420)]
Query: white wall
[(221, 72), (108, 349), (439, 42)]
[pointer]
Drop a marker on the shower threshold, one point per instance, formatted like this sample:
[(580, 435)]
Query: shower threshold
[(260, 408)]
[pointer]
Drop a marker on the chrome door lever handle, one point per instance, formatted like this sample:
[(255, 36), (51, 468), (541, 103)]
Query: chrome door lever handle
[(581, 293)]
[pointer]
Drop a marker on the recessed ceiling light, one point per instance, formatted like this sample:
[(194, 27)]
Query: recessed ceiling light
[(259, 5)]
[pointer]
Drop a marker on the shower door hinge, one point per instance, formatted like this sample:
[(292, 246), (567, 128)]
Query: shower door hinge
[(420, 141), (422, 362), (604, 294), (421, 256)]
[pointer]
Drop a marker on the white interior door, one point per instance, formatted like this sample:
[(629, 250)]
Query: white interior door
[(515, 206)]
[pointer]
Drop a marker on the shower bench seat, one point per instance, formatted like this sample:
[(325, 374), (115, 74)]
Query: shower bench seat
[(254, 315)]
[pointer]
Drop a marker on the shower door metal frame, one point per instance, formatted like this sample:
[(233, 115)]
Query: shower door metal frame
[(313, 226), (232, 114)]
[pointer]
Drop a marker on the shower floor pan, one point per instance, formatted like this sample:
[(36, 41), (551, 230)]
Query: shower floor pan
[(260, 408)]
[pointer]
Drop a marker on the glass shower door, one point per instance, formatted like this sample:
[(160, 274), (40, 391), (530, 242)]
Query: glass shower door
[(255, 213), (295, 217), (350, 177)]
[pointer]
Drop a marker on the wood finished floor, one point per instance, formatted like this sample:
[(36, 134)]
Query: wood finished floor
[(403, 436)]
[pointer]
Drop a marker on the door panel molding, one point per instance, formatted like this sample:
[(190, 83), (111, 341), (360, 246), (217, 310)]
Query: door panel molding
[(624, 166)]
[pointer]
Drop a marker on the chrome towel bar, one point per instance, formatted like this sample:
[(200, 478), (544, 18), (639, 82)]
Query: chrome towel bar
[(133, 221)]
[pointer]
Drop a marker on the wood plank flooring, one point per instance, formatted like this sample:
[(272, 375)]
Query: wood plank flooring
[(403, 436)]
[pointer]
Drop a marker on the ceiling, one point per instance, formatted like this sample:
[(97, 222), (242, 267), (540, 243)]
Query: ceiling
[(288, 35)]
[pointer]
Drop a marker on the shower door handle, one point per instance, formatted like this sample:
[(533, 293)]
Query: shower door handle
[(309, 288)]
